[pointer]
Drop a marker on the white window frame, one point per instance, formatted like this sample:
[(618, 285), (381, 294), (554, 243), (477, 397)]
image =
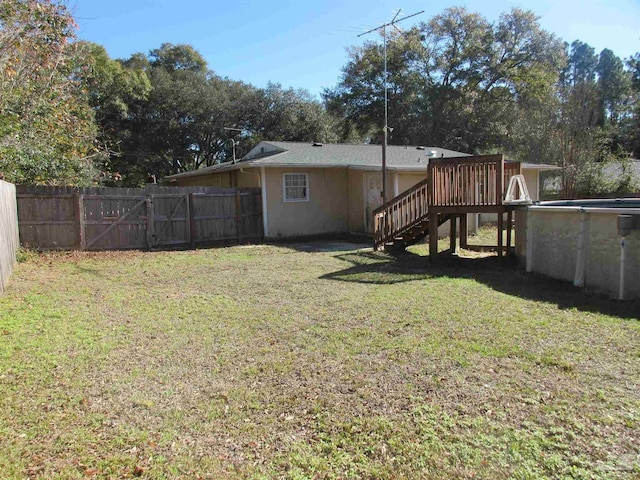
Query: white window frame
[(284, 187)]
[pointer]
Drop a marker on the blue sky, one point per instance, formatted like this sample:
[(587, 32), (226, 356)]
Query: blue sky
[(302, 44)]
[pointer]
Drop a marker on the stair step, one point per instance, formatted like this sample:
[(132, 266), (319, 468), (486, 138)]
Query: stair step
[(412, 235)]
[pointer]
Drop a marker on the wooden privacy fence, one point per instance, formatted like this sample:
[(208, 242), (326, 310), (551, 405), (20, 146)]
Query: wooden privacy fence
[(8, 232), (66, 218)]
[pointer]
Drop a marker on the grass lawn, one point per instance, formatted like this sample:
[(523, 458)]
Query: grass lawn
[(276, 362)]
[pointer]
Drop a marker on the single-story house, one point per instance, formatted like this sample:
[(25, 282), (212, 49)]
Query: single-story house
[(321, 189)]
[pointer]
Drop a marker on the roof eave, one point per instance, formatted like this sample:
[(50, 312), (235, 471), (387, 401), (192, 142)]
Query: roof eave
[(540, 166)]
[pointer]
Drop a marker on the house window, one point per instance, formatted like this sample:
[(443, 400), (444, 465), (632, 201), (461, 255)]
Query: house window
[(295, 187)]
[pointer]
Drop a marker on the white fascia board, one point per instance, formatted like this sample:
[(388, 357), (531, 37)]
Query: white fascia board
[(291, 165)]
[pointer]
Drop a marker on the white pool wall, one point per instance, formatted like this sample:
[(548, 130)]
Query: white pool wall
[(548, 242)]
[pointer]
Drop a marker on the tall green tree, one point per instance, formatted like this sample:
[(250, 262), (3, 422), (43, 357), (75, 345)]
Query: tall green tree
[(630, 125), (614, 84), (112, 91), (179, 124), (453, 81), (287, 114), (47, 130), (594, 97)]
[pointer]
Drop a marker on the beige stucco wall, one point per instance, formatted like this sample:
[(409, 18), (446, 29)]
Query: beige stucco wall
[(532, 179), (325, 212), (356, 200), (356, 184), (408, 180), (554, 249)]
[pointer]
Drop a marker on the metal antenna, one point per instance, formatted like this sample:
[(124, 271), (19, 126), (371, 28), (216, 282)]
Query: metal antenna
[(233, 142), (385, 128)]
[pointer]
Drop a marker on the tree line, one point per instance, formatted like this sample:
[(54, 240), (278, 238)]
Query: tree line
[(69, 114)]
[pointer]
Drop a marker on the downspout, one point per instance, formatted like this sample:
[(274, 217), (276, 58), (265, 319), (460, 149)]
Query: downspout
[(583, 250), (395, 184)]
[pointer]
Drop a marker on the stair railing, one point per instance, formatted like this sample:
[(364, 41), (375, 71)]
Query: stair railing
[(400, 214)]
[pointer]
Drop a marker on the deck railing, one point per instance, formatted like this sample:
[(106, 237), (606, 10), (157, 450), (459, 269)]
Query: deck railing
[(479, 181), (460, 183)]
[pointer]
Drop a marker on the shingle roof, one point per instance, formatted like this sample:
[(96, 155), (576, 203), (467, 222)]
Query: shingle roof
[(329, 155), (305, 154), (332, 154)]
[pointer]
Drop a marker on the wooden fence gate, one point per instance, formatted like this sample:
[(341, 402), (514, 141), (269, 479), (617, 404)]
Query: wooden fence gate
[(116, 219), (171, 221), (111, 222)]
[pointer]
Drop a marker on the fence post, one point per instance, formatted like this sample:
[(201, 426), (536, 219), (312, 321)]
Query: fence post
[(149, 205), (79, 211), (192, 222), (238, 217)]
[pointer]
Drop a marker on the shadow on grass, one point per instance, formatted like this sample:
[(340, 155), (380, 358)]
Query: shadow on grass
[(94, 272), (502, 275)]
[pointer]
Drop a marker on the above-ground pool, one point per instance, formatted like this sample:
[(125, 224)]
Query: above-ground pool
[(579, 241)]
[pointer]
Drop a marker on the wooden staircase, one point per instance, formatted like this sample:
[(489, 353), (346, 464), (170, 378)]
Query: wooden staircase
[(414, 234), (454, 188), (403, 220)]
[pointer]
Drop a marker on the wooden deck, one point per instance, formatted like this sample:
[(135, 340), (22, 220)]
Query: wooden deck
[(454, 187)]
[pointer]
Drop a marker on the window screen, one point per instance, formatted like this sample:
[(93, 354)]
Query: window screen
[(296, 187)]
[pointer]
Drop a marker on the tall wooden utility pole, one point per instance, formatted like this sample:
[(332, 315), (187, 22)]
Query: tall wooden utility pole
[(385, 128)]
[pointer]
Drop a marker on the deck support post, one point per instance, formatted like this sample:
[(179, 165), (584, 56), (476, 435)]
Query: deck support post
[(464, 231), (509, 229), (452, 234), (433, 235)]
